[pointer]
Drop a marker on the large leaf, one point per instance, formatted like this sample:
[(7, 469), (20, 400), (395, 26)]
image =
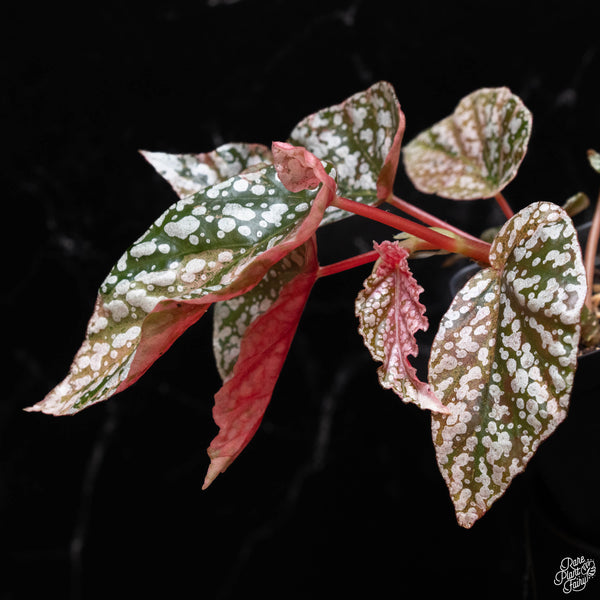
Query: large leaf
[(390, 314), (214, 245), (190, 173), (361, 137), (505, 355), (252, 336), (476, 151)]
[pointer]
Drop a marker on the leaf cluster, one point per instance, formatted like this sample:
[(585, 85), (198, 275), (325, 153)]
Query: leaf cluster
[(241, 237)]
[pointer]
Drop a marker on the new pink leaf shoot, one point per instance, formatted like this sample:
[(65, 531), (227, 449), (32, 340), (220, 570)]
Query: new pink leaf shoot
[(390, 314)]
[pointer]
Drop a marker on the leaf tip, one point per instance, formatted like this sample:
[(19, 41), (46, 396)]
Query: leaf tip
[(467, 519), (217, 466)]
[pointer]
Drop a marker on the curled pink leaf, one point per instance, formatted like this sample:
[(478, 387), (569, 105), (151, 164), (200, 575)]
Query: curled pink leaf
[(390, 314), (298, 169)]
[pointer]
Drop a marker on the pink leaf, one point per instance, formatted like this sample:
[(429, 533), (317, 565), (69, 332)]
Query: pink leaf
[(298, 169), (241, 402), (390, 314)]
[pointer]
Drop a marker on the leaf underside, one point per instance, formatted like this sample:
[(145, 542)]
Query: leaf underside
[(361, 137), (505, 355), (252, 335), (390, 314), (476, 151), (211, 246)]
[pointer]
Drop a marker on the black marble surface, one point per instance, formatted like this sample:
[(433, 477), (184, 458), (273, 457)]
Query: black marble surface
[(339, 491)]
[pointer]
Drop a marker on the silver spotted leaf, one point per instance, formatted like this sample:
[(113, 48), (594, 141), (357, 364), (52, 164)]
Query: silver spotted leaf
[(211, 246), (231, 318), (190, 173), (476, 151), (390, 314), (594, 158), (252, 336), (361, 137), (505, 355)]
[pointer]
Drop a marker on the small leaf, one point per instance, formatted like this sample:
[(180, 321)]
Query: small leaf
[(390, 314), (476, 151), (504, 357), (590, 330), (576, 204), (361, 137), (190, 173), (214, 245), (418, 248), (252, 337), (594, 158)]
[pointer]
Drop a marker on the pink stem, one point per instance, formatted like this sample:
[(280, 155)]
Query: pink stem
[(348, 263), (428, 218), (591, 248), (475, 249), (506, 209)]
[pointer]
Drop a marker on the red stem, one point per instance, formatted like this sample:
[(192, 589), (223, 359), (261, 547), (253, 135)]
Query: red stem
[(506, 209), (348, 263), (473, 248), (428, 218), (591, 248)]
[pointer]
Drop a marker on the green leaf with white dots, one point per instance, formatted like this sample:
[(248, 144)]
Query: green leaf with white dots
[(476, 151), (190, 173), (211, 246), (505, 355), (252, 336), (361, 137)]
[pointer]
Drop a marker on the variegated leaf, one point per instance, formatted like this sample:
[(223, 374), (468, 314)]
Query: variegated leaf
[(476, 151), (190, 173), (211, 246), (390, 314), (505, 355), (361, 137), (594, 158), (252, 336)]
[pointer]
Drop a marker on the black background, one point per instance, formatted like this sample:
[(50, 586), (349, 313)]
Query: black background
[(339, 491)]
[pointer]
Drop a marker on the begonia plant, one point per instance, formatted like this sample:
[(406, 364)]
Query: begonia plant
[(241, 238)]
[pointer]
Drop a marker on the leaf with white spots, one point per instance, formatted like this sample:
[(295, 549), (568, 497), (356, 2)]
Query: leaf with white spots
[(505, 355), (594, 158), (214, 245), (190, 173), (390, 314), (252, 336), (361, 137), (476, 151)]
